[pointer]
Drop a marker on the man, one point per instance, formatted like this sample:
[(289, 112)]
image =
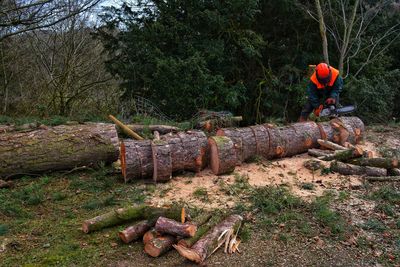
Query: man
[(324, 87)]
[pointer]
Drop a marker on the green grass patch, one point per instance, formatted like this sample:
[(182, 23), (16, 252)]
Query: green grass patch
[(374, 225), (94, 204), (385, 208), (239, 186), (387, 193), (201, 193), (3, 229), (326, 216), (307, 186)]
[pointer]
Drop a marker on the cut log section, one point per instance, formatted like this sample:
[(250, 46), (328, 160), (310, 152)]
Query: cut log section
[(347, 129), (172, 227), (188, 150), (319, 152), (387, 163), (349, 169), (330, 145), (150, 235), (57, 148), (162, 161), (326, 131), (132, 213), (159, 245), (344, 155), (136, 159), (204, 223), (136, 231), (221, 234), (222, 155)]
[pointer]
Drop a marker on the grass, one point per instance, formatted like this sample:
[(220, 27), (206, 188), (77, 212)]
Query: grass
[(239, 186), (374, 225), (3, 229), (307, 186), (201, 193)]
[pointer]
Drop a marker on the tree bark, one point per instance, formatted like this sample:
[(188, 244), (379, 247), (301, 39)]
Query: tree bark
[(382, 179), (162, 129), (344, 155), (132, 213), (205, 223), (162, 161), (135, 231), (349, 169), (172, 227), (330, 145), (322, 30), (125, 128), (387, 163), (347, 129), (319, 152), (222, 155), (136, 159), (204, 247), (57, 148), (150, 235), (159, 245)]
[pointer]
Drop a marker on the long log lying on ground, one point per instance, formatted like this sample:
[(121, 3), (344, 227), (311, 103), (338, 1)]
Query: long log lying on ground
[(136, 159), (132, 213), (387, 163), (330, 145), (172, 227), (212, 240), (162, 129), (344, 155), (315, 152), (57, 148), (222, 154), (135, 231), (159, 245), (383, 179), (349, 169)]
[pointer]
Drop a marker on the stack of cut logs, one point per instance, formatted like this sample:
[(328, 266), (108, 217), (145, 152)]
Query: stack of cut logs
[(163, 229), (348, 159), (42, 149)]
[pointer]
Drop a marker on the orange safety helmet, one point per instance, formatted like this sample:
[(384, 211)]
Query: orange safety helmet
[(324, 73)]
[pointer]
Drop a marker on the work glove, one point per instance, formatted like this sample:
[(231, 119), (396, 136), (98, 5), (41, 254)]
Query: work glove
[(318, 110), (330, 101)]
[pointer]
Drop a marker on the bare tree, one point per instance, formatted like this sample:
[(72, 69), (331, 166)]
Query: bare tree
[(19, 16), (322, 29), (347, 23)]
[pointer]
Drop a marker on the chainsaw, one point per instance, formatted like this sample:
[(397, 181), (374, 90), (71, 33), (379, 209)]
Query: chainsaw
[(333, 111)]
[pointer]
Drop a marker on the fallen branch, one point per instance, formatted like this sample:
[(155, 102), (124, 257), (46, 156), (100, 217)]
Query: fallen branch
[(344, 155), (382, 179), (330, 145), (319, 152), (168, 226), (350, 169), (222, 234), (387, 163), (162, 129), (125, 128)]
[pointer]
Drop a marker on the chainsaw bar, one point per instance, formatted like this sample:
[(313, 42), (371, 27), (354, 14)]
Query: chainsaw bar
[(334, 112)]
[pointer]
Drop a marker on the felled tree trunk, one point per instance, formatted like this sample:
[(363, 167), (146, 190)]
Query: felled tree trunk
[(349, 169), (132, 213), (347, 129), (136, 159), (172, 227), (222, 154), (57, 148), (136, 231), (162, 129), (207, 244), (188, 150), (159, 245), (387, 163), (162, 161)]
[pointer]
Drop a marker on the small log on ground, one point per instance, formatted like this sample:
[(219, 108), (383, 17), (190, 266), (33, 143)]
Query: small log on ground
[(132, 213), (203, 227), (330, 145), (383, 179), (150, 235), (159, 245), (350, 169), (162, 129), (208, 244), (57, 148), (135, 231), (136, 159), (387, 163), (315, 152), (344, 155), (172, 227), (188, 150), (162, 161), (394, 172), (222, 154), (5, 184)]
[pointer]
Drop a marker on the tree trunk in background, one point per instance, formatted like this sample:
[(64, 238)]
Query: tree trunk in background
[(57, 148), (322, 30)]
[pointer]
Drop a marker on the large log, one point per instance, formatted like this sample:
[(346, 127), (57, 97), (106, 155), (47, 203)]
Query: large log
[(135, 231), (347, 129), (188, 150), (162, 129), (159, 245), (162, 161), (210, 242), (57, 148), (350, 169), (136, 159), (131, 213), (222, 154), (172, 227), (387, 163)]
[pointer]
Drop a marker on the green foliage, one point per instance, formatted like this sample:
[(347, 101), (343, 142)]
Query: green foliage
[(388, 194), (100, 203)]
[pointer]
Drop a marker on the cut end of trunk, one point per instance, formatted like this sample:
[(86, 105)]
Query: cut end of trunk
[(151, 250), (188, 253), (192, 229), (85, 227), (122, 158), (123, 237)]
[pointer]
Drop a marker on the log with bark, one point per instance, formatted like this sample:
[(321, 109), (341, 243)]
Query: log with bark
[(132, 213), (172, 227), (135, 231), (222, 155), (204, 224), (150, 235), (162, 129), (387, 163), (315, 152), (330, 145), (347, 129), (222, 234), (350, 169), (125, 128), (344, 155), (162, 161), (211, 125), (57, 148), (383, 179), (159, 245), (136, 159)]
